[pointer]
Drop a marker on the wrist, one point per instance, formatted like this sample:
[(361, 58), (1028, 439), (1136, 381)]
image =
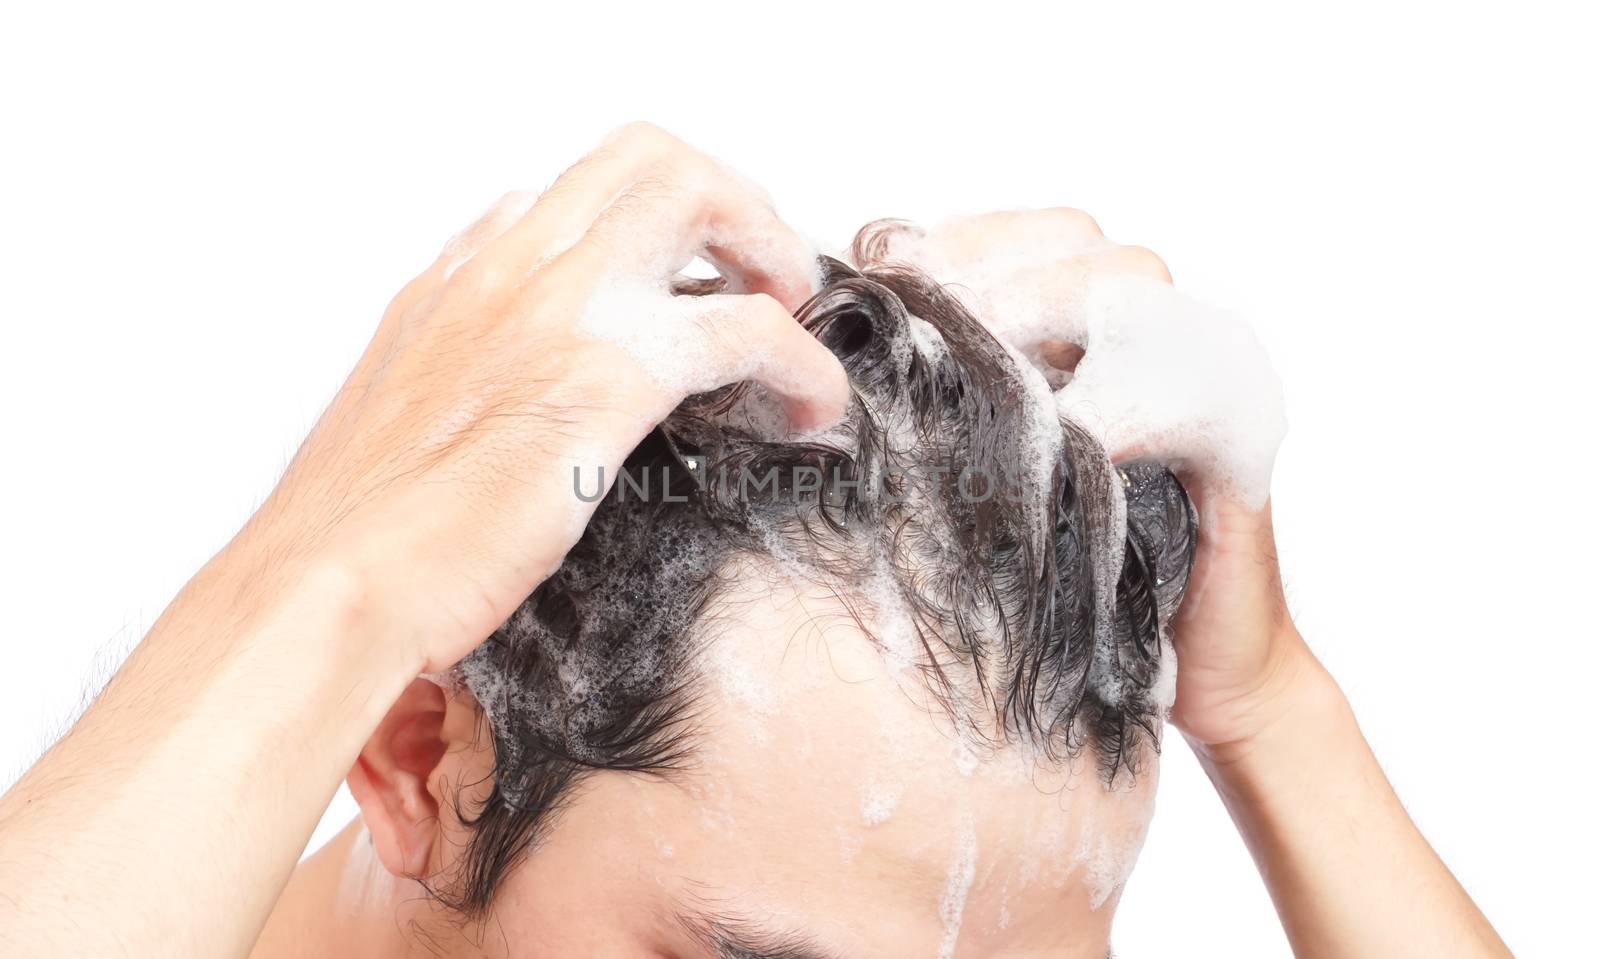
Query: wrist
[(1296, 704), (311, 627)]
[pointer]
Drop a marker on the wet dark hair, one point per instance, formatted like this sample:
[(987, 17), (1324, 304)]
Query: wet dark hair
[(597, 669)]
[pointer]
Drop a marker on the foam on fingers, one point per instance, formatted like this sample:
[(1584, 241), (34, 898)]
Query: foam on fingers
[(690, 344), (1168, 377), (1160, 375)]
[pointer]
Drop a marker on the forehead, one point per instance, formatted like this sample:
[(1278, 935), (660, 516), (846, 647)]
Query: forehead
[(828, 794)]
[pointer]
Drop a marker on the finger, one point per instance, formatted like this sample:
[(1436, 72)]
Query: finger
[(690, 205), (486, 229), (756, 338), (759, 253), (1029, 235), (415, 296), (1133, 261), (568, 208), (1044, 303), (491, 223)]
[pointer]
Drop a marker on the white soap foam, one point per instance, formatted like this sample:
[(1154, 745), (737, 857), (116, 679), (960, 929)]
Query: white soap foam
[(1044, 424), (892, 623), (966, 759), (1165, 376), (1164, 691), (1004, 268), (878, 801), (745, 681), (1107, 862), (1107, 852), (1045, 857), (690, 344), (1162, 375), (958, 883), (666, 336), (928, 341)]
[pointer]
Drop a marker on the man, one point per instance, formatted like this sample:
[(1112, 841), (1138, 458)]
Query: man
[(803, 796)]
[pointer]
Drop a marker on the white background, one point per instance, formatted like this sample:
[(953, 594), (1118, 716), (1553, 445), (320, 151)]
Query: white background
[(205, 210)]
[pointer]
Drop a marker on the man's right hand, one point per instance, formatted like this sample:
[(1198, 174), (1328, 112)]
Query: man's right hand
[(431, 498), (438, 485)]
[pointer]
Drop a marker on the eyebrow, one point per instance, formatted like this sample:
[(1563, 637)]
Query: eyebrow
[(734, 938)]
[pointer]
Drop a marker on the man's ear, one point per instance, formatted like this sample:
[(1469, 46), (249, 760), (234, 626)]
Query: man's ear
[(390, 779)]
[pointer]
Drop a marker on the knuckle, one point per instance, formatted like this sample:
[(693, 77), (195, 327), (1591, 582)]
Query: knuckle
[(640, 207), (537, 297), (408, 297), (652, 188), (478, 278), (1076, 218), (567, 185), (1143, 260), (514, 201), (727, 341), (682, 171), (632, 144), (639, 135)]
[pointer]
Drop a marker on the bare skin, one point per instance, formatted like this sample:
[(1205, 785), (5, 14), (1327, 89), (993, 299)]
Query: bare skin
[(426, 505), (828, 804)]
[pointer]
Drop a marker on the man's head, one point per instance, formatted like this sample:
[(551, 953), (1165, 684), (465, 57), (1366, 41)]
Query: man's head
[(880, 692)]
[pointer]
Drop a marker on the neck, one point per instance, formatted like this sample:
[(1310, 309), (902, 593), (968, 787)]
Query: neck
[(340, 902)]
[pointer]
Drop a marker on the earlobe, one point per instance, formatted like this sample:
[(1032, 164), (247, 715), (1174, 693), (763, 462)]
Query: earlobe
[(390, 779)]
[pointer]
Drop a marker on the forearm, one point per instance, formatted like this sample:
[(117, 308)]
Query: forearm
[(169, 818), (1349, 873)]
